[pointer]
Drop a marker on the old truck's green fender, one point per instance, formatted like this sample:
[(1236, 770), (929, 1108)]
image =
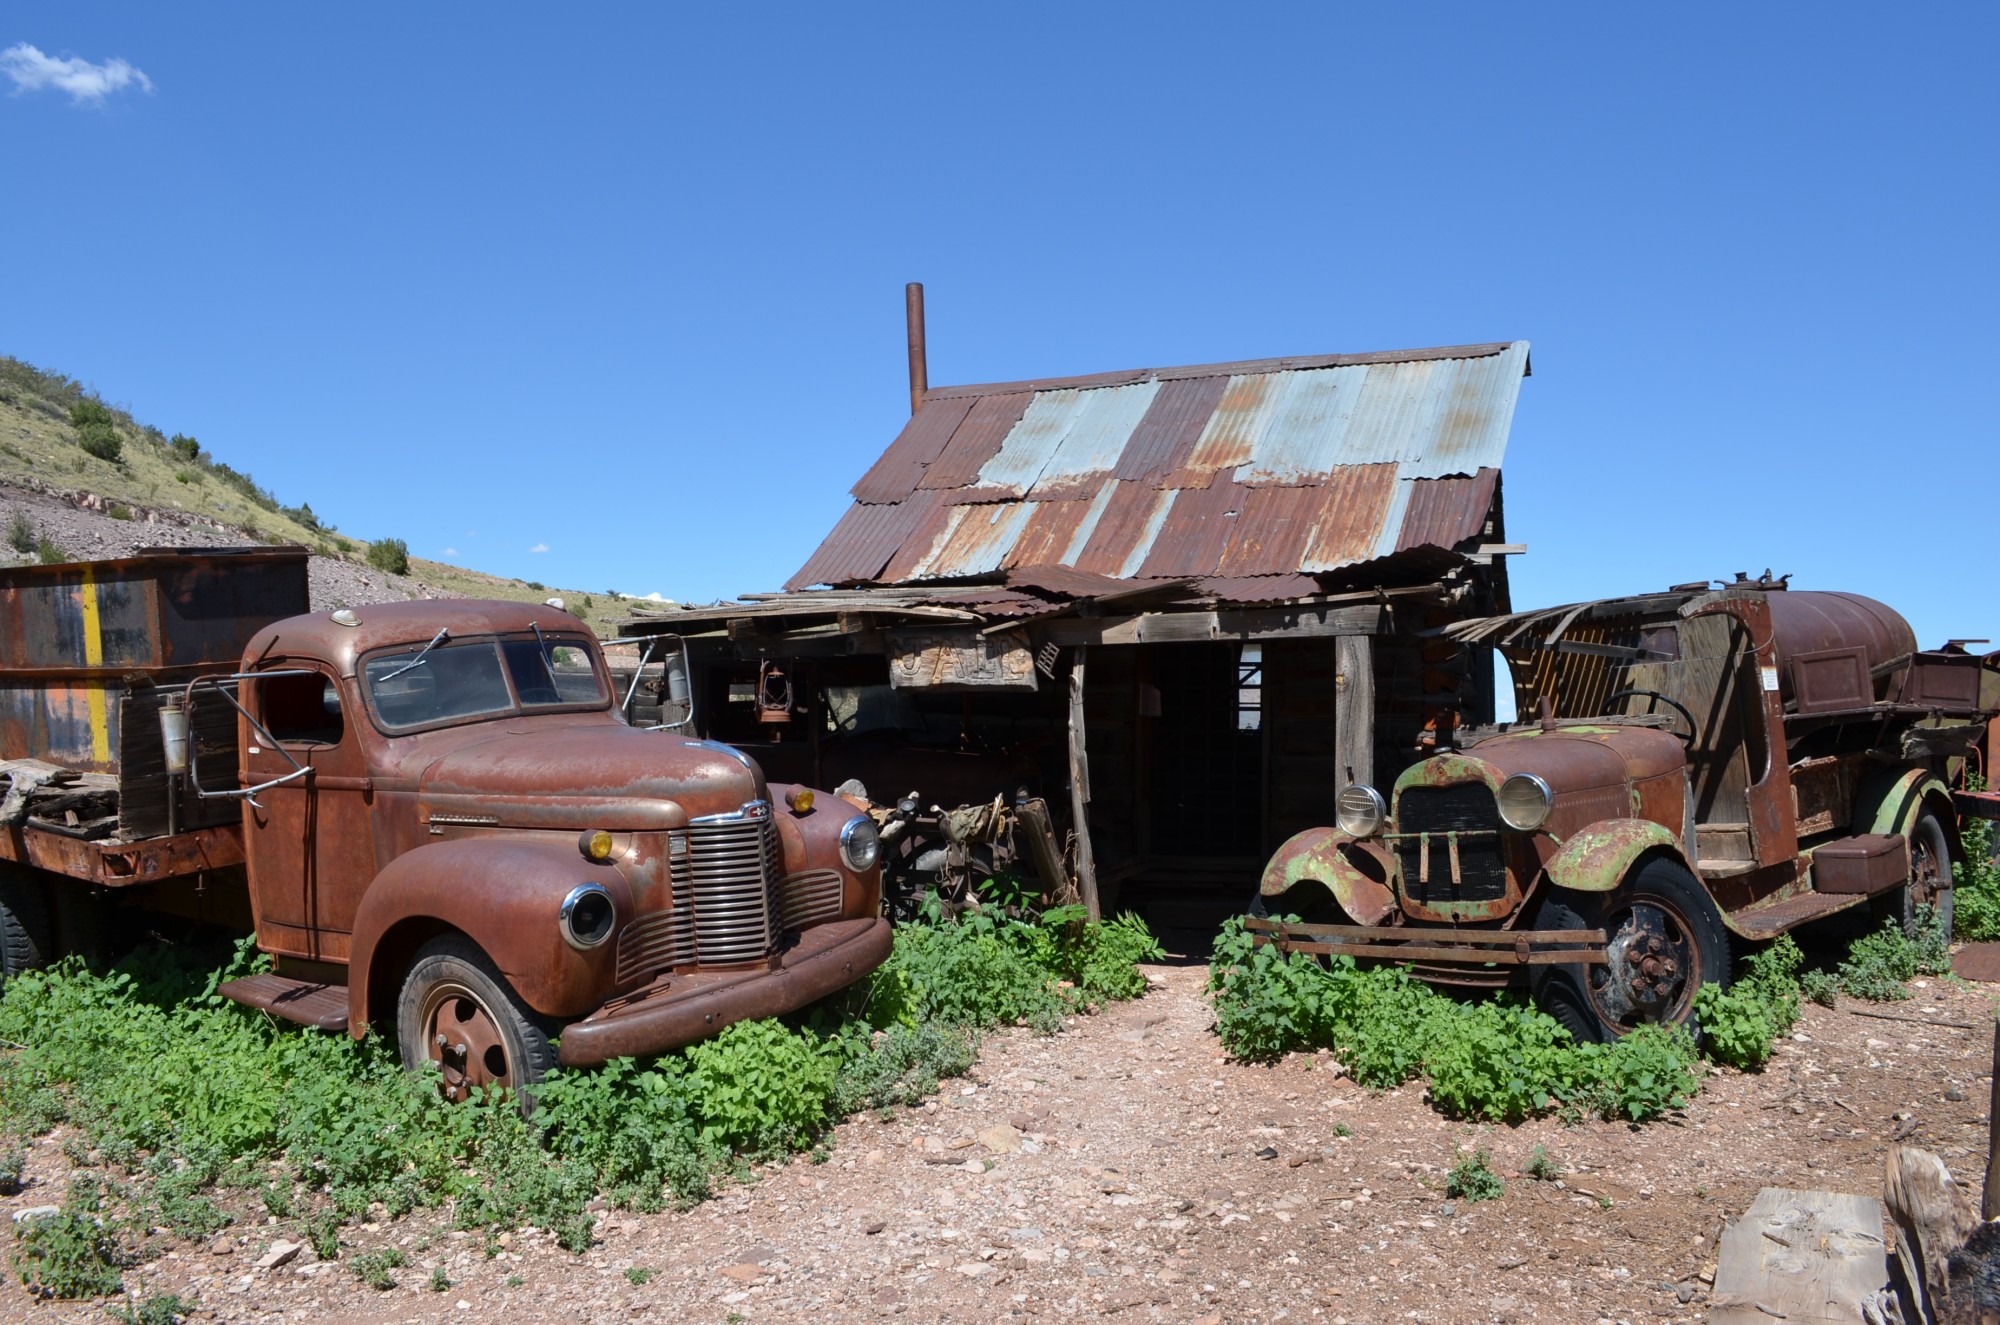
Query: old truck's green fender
[(1356, 873), (1891, 802), (1597, 859)]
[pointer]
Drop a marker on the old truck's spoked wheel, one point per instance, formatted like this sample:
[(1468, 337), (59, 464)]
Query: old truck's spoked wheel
[(463, 1039), (1654, 968)]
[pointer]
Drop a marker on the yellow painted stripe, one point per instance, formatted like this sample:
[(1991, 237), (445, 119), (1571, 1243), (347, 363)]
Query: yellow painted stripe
[(93, 654)]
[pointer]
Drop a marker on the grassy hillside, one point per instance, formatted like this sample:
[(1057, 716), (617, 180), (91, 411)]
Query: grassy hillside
[(55, 431)]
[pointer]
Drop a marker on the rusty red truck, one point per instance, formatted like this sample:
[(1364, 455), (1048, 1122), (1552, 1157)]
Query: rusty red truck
[(1693, 770), (433, 816)]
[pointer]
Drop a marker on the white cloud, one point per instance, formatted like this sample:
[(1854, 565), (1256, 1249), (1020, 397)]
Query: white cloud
[(85, 82), (539, 547), (449, 552)]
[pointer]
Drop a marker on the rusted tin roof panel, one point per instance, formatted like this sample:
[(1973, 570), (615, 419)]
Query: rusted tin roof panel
[(1354, 505), (1444, 512), (1271, 531), (1025, 451), (976, 440), (928, 532), (867, 537), (1165, 438), (901, 467), (1195, 532), (1248, 589), (976, 542), (1051, 527), (1123, 531), (1305, 436), (1239, 419), (1103, 423)]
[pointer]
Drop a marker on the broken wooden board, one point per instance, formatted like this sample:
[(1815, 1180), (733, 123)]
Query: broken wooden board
[(1800, 1256)]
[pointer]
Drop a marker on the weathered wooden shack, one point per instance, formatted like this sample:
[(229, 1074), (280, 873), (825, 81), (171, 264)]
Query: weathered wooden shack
[(1184, 606)]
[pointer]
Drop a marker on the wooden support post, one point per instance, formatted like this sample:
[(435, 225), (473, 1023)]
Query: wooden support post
[(1354, 710), (1079, 793), (1989, 1201)]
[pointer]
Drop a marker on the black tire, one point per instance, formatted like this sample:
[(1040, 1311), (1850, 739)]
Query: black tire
[(82, 924), (1665, 937), (491, 1038), (24, 925), (1930, 881)]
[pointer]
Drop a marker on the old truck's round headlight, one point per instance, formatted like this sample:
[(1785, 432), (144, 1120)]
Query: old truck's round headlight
[(1524, 802), (587, 917), (860, 844), (1360, 811)]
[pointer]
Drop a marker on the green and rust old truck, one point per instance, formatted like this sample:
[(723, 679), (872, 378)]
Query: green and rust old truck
[(1693, 771), (433, 815)]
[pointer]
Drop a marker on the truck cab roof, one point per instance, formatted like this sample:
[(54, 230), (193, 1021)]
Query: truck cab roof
[(341, 637)]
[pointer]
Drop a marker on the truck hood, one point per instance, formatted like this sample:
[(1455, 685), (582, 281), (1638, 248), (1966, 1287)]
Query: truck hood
[(614, 776), (1583, 757)]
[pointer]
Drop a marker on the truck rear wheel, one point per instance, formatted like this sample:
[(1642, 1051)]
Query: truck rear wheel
[(24, 925), (458, 1012), (1930, 881), (1665, 940)]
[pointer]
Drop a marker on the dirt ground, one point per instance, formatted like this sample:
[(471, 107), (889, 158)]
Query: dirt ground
[(1124, 1169)]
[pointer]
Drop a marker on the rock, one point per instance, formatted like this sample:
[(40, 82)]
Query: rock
[(34, 1212), (1954, 1094), (1268, 1152), (756, 1254), (744, 1274), (1686, 1293), (281, 1253), (874, 1157), (222, 1246), (972, 1269), (1001, 1139), (1025, 1234), (1021, 1122)]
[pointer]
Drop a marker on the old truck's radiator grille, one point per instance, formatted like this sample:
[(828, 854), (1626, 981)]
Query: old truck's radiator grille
[(725, 881), (811, 897), (1466, 808)]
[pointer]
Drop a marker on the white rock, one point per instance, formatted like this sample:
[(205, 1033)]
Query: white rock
[(281, 1253), (35, 1212)]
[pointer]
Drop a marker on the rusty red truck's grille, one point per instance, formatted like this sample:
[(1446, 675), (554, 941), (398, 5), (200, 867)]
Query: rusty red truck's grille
[(1468, 809), (725, 875), (810, 897)]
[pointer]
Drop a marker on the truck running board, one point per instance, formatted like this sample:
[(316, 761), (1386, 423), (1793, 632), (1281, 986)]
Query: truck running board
[(309, 1003)]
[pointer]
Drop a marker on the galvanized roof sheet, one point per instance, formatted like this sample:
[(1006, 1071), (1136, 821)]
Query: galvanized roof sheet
[(1275, 467)]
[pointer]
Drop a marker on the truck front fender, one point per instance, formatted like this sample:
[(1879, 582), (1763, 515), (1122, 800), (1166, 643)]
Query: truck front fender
[(1356, 873), (504, 894), (1597, 859)]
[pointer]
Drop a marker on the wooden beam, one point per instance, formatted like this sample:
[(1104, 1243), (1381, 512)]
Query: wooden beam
[(1801, 1257), (1354, 710), (1226, 623), (1079, 794)]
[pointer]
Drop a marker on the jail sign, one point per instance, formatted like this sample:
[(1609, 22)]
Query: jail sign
[(948, 660)]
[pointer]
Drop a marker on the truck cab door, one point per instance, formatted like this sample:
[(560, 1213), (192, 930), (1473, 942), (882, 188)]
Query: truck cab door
[(310, 842)]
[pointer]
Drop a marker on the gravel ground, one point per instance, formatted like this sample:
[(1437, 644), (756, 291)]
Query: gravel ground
[(77, 523), (1117, 1170)]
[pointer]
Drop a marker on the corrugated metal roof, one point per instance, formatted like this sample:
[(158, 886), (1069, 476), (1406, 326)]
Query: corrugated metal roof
[(1225, 471)]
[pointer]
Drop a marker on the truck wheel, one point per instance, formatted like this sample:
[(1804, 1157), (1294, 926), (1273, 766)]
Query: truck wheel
[(1930, 881), (457, 1011), (24, 925), (1665, 939)]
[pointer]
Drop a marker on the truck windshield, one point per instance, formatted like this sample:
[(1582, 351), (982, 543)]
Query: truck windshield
[(472, 679)]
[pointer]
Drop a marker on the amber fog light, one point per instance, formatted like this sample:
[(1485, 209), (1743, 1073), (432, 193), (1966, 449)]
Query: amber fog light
[(860, 844), (1525, 801), (1360, 811), (799, 800), (595, 844), (587, 917)]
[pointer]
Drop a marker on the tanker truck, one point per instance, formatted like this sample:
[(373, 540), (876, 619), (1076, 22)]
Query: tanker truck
[(433, 816), (1690, 772)]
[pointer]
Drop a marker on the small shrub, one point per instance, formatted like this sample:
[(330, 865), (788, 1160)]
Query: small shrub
[(1976, 875), (21, 533), (100, 440), (1821, 987), (638, 1275), (536, 585), (1472, 1177), (49, 552), (903, 1065), (13, 1162), (440, 1281), (70, 1254), (184, 446), (183, 476), (1741, 1024), (155, 1309), (1540, 1167), (373, 1267), (1879, 965), (323, 1233), (391, 555), (119, 511)]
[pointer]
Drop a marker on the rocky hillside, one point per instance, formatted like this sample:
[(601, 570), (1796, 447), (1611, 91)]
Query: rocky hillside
[(83, 479)]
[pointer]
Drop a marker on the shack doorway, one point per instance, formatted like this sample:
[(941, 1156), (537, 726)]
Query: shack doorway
[(1207, 752)]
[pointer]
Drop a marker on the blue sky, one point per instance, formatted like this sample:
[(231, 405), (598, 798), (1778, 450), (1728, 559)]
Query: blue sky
[(625, 283)]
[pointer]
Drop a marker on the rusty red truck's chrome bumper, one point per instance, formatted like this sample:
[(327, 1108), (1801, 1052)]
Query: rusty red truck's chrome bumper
[(826, 959)]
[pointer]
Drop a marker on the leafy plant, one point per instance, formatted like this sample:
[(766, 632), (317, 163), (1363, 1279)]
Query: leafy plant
[(1540, 1167), (1821, 987), (154, 1309), (118, 510), (440, 1281), (391, 555), (21, 533), (184, 446), (70, 1254), (1742, 1023), (13, 1161), (49, 552), (1976, 899), (1879, 965), (1472, 1178), (638, 1275), (373, 1267)]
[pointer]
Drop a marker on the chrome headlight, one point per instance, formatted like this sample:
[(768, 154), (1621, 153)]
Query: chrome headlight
[(860, 844), (1525, 801), (1360, 811), (587, 917)]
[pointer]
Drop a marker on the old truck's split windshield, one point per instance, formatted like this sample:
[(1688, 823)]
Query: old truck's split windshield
[(480, 678)]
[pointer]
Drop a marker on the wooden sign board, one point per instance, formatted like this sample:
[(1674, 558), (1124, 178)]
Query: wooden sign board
[(948, 660)]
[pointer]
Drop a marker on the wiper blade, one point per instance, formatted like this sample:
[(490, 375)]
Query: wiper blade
[(542, 652), (422, 653)]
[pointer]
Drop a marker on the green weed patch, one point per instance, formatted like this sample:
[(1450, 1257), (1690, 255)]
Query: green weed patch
[(196, 1108)]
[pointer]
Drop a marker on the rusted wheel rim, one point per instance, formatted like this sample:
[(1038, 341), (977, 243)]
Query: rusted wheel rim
[(1926, 871), (462, 1038), (1654, 966)]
